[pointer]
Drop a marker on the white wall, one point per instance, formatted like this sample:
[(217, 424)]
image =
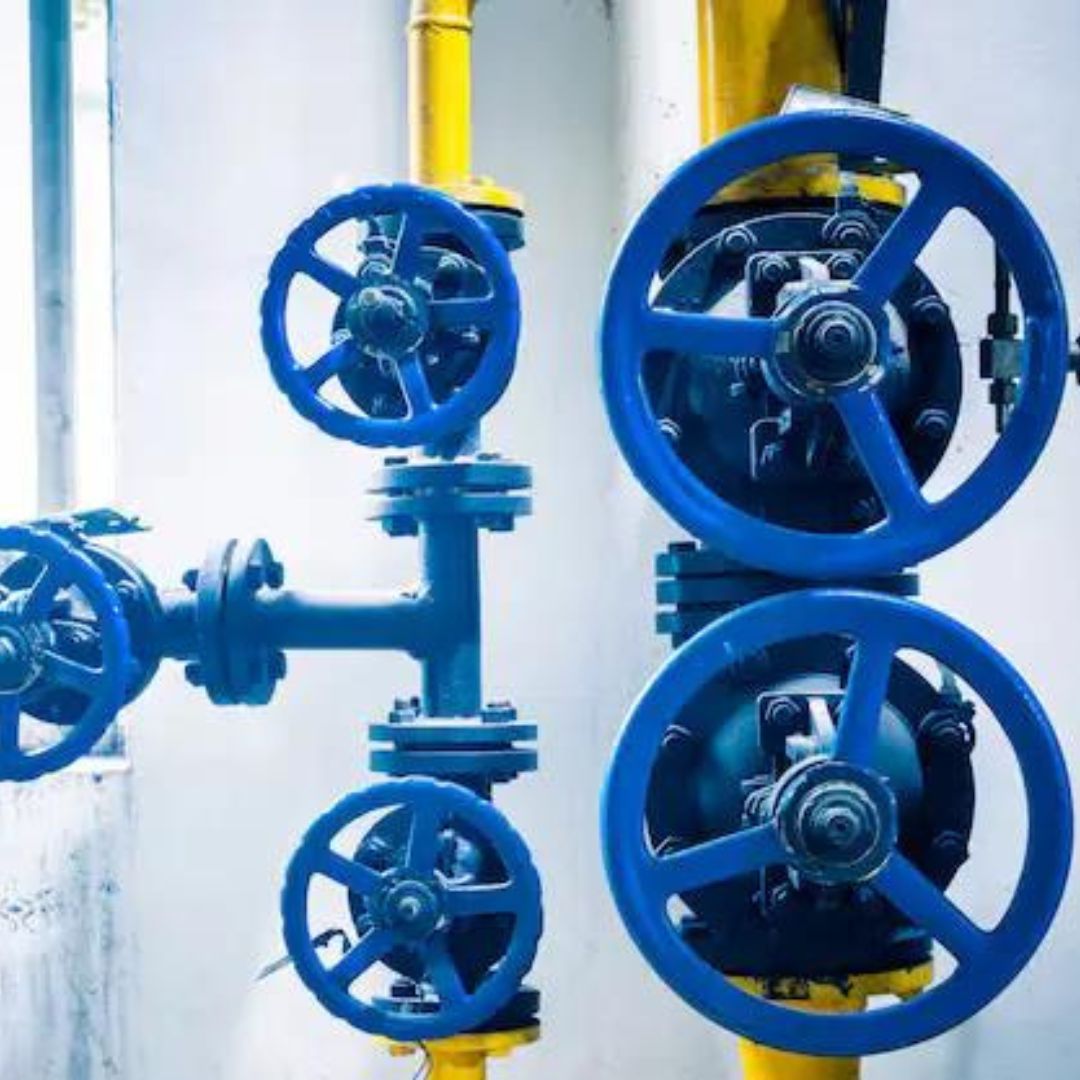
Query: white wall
[(235, 119)]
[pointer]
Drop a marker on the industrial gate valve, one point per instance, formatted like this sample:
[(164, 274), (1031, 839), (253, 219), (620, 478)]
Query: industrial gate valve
[(440, 890), (65, 660), (423, 340), (798, 437), (763, 823)]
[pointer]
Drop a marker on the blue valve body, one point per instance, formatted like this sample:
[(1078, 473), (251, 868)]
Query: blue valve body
[(392, 320), (414, 905), (848, 321), (643, 881), (36, 657)]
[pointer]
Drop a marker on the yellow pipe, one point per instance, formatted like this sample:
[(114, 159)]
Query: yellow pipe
[(440, 104), (765, 1063), (848, 995), (750, 54), (465, 1057)]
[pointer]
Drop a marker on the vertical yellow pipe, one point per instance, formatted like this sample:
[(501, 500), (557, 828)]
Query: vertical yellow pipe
[(440, 92), (765, 1063), (750, 54), (440, 104), (848, 995)]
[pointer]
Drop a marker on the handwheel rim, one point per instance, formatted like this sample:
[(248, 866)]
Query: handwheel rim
[(102, 708), (1011, 944), (494, 369), (497, 988), (977, 189)]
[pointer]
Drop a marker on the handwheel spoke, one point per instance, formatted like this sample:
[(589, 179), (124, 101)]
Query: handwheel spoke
[(369, 950), (882, 455), (331, 276), (414, 384), (409, 245), (63, 671), (917, 897), (425, 838), (709, 335), (464, 311), (43, 592), (713, 861), (864, 699), (355, 876), (441, 971), (466, 900), (894, 256), (330, 364), (10, 715)]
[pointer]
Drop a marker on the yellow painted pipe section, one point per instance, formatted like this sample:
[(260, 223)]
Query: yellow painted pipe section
[(837, 996), (465, 1057), (750, 54), (440, 104)]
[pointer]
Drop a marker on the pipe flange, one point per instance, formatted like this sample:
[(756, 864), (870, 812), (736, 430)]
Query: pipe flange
[(232, 665), (487, 488)]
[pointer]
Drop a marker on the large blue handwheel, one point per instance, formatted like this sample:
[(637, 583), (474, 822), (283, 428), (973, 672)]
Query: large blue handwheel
[(412, 907), (826, 346), (645, 881), (36, 655), (393, 319)]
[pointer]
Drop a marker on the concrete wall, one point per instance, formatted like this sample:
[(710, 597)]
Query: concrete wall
[(234, 120)]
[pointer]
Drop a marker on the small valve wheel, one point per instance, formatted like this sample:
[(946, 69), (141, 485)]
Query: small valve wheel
[(433, 285), (828, 347), (62, 629), (419, 909), (833, 820)]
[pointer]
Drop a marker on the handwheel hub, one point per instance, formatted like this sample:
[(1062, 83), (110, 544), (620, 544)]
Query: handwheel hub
[(830, 345), (411, 909), (387, 317), (838, 822)]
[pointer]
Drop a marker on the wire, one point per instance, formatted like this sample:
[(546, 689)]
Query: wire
[(423, 1070)]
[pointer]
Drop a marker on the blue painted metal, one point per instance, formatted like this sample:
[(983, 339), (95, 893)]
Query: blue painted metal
[(408, 903), (392, 318), (633, 328), (644, 881), (784, 458), (36, 657), (475, 751), (234, 620)]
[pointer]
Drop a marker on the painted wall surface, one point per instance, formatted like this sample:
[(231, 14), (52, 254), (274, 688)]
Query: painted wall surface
[(234, 120), (66, 926)]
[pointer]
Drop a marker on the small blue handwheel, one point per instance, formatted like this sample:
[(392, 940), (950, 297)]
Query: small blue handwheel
[(410, 900), (401, 330), (645, 881), (40, 654), (826, 347)]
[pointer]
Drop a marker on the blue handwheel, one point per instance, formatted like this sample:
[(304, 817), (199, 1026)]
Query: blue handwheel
[(35, 656), (393, 320), (412, 906), (987, 960), (826, 347)]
